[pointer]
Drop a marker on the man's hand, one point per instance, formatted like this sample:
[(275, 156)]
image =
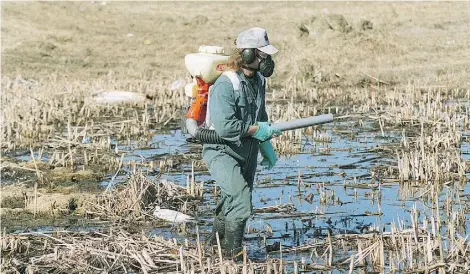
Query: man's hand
[(265, 132)]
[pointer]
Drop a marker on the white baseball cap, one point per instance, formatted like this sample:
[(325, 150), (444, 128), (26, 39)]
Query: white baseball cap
[(255, 38)]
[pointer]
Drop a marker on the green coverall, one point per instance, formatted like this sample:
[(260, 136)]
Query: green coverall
[(233, 165)]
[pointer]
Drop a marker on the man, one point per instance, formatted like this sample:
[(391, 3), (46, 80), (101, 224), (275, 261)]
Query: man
[(238, 115)]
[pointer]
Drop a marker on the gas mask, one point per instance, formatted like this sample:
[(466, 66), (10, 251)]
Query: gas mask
[(266, 63), (266, 66)]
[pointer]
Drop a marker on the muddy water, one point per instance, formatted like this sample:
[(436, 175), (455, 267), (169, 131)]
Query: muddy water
[(337, 187)]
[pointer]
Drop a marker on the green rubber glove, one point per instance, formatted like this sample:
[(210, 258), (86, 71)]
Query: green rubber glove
[(268, 153), (265, 131)]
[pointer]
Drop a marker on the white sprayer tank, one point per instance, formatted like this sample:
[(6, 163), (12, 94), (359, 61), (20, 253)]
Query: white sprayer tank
[(207, 64)]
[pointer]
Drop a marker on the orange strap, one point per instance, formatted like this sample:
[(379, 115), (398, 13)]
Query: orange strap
[(198, 108)]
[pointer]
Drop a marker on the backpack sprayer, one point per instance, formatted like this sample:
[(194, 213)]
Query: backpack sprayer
[(205, 67)]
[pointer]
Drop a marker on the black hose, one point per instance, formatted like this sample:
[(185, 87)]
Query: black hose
[(208, 136), (201, 134)]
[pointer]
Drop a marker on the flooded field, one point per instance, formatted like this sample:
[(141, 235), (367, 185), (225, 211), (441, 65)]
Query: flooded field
[(384, 188), (337, 185), (341, 184)]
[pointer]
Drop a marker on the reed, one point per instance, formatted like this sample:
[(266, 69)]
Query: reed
[(137, 198), (70, 137)]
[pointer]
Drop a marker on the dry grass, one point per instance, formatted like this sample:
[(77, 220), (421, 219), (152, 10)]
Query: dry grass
[(434, 243), (21, 198), (335, 52), (113, 251), (406, 44), (63, 113), (399, 65), (137, 198), (420, 249)]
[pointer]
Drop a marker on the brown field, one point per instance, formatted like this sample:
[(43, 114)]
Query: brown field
[(403, 66), (409, 43)]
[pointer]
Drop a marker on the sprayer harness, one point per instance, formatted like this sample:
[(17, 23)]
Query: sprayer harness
[(206, 133)]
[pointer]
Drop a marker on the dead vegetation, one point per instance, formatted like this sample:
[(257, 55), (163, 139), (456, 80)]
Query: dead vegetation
[(418, 249), (80, 40), (63, 115), (367, 67), (136, 199)]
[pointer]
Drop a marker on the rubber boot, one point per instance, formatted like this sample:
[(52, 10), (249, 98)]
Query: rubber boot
[(218, 225), (233, 240)]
